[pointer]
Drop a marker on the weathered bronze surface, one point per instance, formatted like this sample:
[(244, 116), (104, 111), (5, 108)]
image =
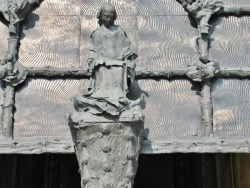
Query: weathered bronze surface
[(107, 127), (108, 152), (169, 46), (111, 63), (11, 72)]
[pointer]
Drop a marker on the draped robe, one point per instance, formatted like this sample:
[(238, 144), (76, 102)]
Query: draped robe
[(107, 61)]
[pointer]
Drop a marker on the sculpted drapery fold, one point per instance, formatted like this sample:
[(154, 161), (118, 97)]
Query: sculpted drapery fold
[(111, 63)]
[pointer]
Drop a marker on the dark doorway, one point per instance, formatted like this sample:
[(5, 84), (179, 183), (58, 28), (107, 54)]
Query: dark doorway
[(155, 171)]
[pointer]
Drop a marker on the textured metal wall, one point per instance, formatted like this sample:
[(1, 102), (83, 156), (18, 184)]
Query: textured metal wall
[(171, 108), (230, 45), (57, 33), (231, 100), (42, 106)]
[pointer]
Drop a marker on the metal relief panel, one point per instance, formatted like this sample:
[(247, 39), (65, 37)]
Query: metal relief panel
[(90, 23), (171, 108), (58, 7), (41, 108), (242, 2), (160, 7), (231, 99), (126, 7), (56, 35), (232, 2), (230, 44), (50, 41), (4, 32), (166, 41), (90, 7)]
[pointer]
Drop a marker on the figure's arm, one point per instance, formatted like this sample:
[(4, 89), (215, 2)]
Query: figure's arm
[(129, 56), (92, 53), (91, 60)]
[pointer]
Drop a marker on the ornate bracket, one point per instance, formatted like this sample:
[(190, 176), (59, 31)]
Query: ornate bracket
[(107, 151)]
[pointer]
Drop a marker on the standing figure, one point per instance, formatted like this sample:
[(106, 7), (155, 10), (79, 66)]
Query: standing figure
[(111, 63)]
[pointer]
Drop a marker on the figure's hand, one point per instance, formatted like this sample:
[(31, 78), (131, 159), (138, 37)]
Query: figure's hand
[(90, 70), (90, 65), (131, 64)]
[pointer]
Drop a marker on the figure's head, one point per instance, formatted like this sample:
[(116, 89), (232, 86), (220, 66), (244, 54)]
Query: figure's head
[(107, 14)]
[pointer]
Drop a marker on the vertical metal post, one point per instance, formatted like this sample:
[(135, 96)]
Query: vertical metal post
[(8, 110)]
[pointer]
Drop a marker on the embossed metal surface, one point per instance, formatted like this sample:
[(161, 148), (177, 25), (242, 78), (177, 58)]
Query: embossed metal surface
[(165, 104), (3, 38), (41, 108), (50, 41), (160, 7), (230, 45), (58, 34), (231, 100), (166, 41), (171, 108)]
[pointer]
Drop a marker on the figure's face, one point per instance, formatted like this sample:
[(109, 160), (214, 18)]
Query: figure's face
[(107, 17)]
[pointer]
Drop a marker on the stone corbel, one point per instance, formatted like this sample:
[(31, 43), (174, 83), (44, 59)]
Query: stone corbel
[(107, 151), (201, 72), (107, 146)]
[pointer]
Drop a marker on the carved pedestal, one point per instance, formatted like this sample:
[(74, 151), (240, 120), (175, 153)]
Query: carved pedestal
[(107, 151)]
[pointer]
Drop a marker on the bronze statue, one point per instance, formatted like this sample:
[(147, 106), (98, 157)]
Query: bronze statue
[(111, 62), (107, 127)]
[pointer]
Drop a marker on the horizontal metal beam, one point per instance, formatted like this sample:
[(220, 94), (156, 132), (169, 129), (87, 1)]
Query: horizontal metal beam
[(236, 10), (56, 72), (240, 72), (196, 145)]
